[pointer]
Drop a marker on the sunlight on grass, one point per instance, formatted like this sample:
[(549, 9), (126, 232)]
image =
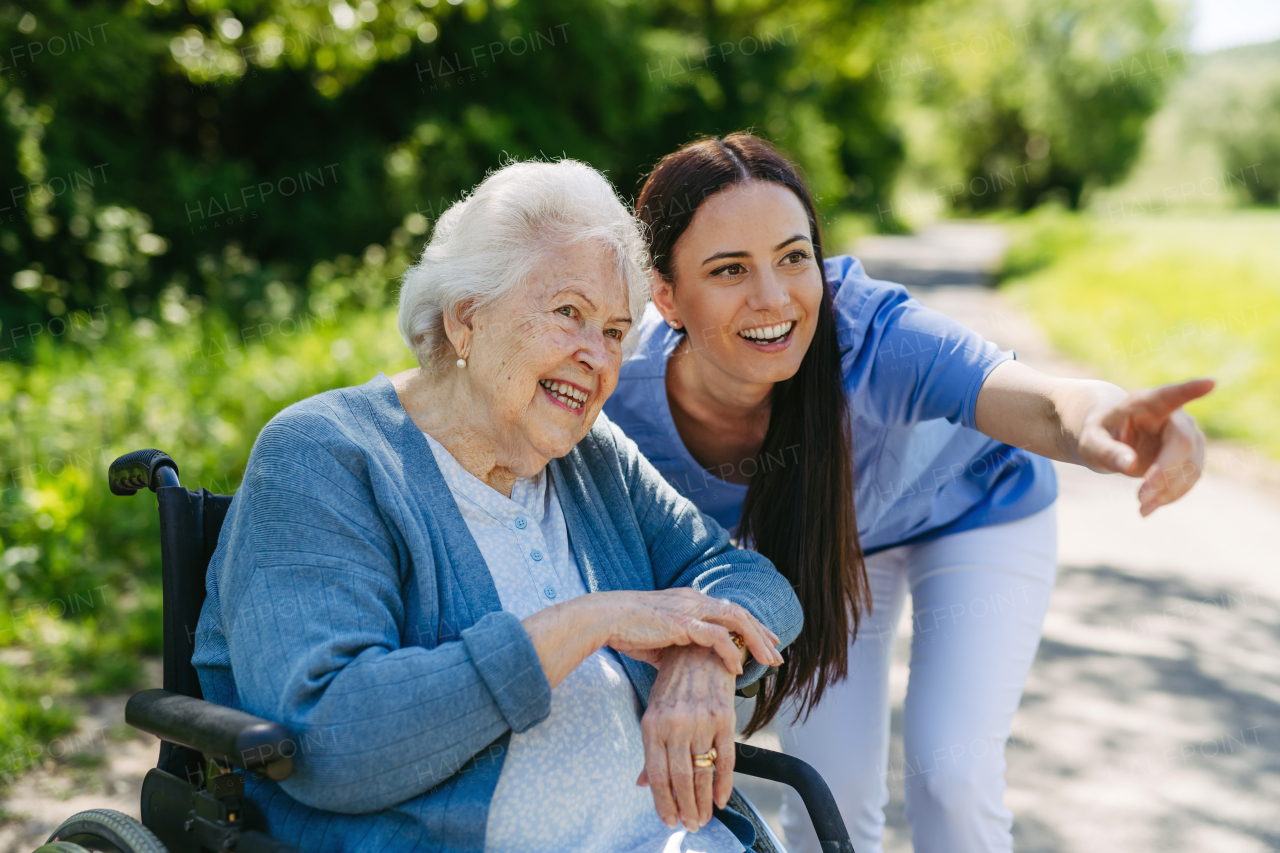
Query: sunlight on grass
[(1148, 300)]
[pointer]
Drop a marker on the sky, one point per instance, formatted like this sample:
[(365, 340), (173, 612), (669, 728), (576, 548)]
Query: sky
[(1227, 23)]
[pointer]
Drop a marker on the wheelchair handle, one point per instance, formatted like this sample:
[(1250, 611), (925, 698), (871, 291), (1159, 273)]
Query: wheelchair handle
[(142, 469), (833, 837)]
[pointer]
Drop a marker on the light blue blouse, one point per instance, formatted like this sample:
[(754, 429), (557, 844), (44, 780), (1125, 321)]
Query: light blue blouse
[(921, 468), (569, 782)]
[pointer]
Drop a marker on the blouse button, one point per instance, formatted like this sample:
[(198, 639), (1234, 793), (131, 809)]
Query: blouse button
[(549, 592), (522, 523), (536, 554)]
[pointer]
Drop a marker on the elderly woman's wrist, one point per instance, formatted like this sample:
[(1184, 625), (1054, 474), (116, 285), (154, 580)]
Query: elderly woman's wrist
[(594, 617), (609, 613), (697, 657)]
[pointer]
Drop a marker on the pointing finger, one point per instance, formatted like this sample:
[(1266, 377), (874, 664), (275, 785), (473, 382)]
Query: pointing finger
[(1168, 398)]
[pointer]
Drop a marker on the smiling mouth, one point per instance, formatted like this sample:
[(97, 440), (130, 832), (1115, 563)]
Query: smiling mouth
[(566, 395), (766, 335)]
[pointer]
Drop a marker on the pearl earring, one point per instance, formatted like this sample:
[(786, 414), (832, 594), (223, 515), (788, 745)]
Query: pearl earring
[(673, 324), (462, 362)]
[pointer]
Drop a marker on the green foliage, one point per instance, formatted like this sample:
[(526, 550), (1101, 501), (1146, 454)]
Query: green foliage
[(1043, 237), (1140, 301), (80, 599), (28, 722), (1214, 144), (1234, 103), (291, 131), (205, 204), (1009, 103)]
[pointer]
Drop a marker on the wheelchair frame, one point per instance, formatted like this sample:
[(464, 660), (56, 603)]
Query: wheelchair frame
[(192, 802)]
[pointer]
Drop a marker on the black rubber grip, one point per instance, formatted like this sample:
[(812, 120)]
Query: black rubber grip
[(235, 737), (833, 837), (137, 470)]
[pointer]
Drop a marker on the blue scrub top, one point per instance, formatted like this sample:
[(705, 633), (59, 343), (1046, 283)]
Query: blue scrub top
[(921, 469)]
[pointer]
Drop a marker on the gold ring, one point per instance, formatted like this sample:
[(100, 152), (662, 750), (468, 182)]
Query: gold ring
[(705, 759), (737, 639)]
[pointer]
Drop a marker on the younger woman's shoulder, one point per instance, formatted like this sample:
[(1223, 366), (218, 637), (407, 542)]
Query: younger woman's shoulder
[(859, 299)]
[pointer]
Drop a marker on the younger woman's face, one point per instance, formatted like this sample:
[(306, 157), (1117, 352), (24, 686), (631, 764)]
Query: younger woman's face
[(747, 287)]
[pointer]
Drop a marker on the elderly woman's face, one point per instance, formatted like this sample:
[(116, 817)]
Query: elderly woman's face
[(546, 357)]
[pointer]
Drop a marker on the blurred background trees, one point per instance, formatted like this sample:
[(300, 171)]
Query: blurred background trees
[(1232, 101), (215, 149), (175, 156), (1012, 103)]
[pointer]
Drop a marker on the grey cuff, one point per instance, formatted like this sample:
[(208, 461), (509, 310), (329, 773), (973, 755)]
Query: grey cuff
[(503, 654)]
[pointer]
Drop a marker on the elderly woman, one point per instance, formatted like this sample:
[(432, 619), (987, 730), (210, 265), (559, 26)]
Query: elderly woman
[(488, 622)]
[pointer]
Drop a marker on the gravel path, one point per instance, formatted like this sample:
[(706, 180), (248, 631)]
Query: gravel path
[(1151, 719)]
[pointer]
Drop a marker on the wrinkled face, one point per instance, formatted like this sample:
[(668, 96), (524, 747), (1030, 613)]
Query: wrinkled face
[(544, 359), (747, 287)]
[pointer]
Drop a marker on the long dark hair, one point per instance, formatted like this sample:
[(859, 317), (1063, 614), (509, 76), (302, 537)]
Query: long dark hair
[(799, 515)]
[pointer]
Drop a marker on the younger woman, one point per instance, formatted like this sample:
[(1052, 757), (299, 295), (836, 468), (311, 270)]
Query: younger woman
[(778, 390)]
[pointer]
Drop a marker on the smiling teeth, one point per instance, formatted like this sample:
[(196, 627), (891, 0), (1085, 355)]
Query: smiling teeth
[(567, 394), (768, 333)]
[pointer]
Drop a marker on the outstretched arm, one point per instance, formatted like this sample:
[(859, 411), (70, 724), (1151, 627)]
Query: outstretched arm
[(1099, 425)]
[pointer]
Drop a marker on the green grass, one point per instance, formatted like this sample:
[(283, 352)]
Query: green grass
[(80, 600), (1154, 299)]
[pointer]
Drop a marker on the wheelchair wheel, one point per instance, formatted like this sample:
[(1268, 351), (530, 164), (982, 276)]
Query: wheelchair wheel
[(102, 831)]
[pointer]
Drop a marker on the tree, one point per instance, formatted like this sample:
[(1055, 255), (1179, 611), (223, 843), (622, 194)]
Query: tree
[(169, 155), (1234, 102), (1012, 102)]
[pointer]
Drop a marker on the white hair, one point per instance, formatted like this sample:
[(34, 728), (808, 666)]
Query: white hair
[(492, 241)]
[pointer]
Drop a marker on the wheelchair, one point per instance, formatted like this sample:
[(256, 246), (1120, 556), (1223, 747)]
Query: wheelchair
[(193, 799)]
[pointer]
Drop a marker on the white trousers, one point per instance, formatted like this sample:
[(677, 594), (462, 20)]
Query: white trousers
[(978, 603)]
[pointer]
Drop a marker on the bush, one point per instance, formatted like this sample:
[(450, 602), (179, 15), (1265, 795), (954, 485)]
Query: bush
[(298, 131), (81, 600), (1012, 103), (1234, 103)]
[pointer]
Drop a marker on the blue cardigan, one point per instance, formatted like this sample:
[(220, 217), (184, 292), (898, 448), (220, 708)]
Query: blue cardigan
[(348, 601)]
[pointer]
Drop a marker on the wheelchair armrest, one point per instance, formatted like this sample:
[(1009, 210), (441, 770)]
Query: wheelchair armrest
[(822, 808), (222, 733)]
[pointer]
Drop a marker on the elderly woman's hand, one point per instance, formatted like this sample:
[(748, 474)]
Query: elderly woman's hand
[(690, 711), (647, 624), (685, 633)]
